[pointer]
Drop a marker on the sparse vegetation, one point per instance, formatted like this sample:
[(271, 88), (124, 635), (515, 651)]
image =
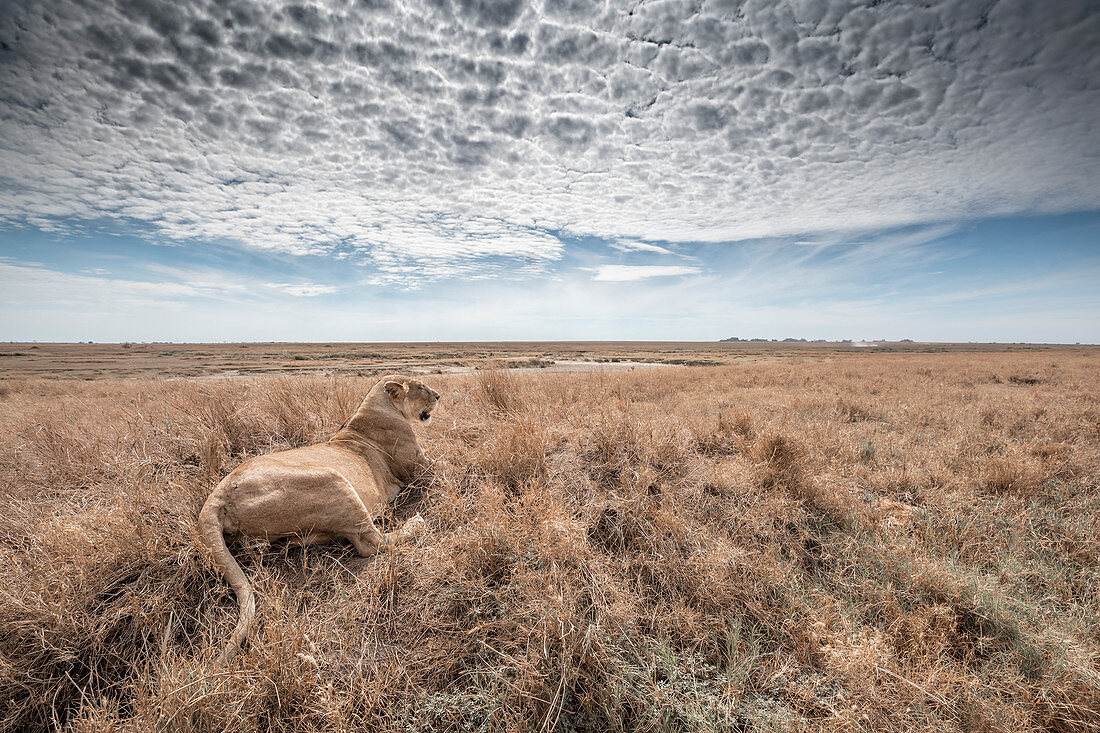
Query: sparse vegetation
[(887, 542)]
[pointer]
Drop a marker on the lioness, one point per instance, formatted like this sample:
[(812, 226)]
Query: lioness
[(325, 491)]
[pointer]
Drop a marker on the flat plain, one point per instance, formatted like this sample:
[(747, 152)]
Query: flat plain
[(166, 361), (755, 536)]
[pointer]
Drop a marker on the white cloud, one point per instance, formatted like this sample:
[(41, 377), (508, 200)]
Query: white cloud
[(629, 273), (631, 245), (304, 290), (442, 138), (28, 285)]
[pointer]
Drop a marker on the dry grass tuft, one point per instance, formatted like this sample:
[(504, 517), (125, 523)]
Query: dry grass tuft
[(779, 462), (499, 389), (851, 411), (725, 435), (888, 542), (1001, 475)]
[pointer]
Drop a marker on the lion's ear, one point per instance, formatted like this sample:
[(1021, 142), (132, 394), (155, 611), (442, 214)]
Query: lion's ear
[(396, 389)]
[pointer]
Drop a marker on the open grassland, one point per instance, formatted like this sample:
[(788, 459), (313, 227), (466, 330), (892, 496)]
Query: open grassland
[(886, 541), (165, 360), (97, 361)]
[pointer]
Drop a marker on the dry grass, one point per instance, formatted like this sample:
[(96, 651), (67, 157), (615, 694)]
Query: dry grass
[(874, 542), (159, 360)]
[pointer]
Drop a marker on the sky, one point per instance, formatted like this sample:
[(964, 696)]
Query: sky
[(438, 170)]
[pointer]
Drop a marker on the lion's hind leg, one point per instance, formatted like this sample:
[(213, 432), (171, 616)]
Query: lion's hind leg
[(369, 541)]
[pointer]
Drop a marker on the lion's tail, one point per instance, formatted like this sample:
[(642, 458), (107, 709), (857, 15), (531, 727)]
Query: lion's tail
[(211, 532)]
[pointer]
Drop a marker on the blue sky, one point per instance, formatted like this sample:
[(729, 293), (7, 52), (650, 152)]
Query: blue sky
[(1011, 279), (475, 170)]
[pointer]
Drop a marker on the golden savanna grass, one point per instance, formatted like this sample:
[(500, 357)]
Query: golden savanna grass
[(886, 542)]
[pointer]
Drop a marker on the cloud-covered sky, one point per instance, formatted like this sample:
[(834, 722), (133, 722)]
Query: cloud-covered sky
[(656, 168)]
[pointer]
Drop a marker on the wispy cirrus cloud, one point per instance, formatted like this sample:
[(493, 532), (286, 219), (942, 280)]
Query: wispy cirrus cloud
[(633, 245), (631, 273), (32, 283), (305, 290), (436, 138)]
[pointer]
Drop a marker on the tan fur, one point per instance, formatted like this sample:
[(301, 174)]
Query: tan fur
[(322, 492)]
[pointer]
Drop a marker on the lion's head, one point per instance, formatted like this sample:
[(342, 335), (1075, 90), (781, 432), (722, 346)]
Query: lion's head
[(413, 399)]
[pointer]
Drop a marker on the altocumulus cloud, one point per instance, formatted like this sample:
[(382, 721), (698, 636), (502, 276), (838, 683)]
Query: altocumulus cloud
[(461, 137)]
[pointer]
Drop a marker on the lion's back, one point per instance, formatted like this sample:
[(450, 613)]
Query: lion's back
[(272, 466), (281, 488)]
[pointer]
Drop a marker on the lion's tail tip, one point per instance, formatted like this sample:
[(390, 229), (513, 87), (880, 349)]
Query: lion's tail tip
[(211, 531)]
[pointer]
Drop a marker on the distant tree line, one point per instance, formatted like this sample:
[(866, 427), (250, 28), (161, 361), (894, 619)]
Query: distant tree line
[(802, 341)]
